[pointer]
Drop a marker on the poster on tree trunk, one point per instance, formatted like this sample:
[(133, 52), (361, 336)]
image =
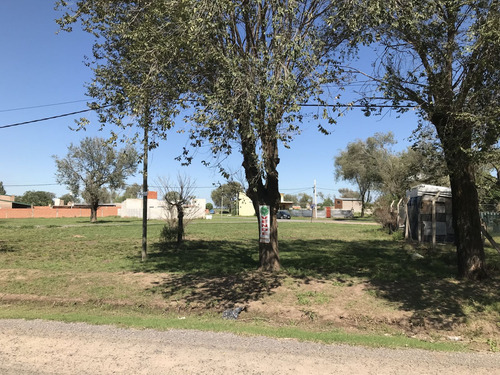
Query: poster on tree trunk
[(265, 224)]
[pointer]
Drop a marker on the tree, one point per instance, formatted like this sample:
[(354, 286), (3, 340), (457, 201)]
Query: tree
[(177, 197), (67, 198), (328, 202), (258, 63), (209, 206), (305, 200), (93, 165), (131, 191), (227, 195), (137, 78), (360, 163), (2, 189), (247, 67), (442, 57), (37, 198)]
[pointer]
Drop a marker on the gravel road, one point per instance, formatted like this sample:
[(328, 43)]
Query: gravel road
[(42, 347)]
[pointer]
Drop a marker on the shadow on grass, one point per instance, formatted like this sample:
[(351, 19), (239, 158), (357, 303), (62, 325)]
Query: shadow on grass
[(223, 273), (5, 247), (203, 291)]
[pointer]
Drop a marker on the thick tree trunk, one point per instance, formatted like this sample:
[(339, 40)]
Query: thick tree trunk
[(269, 258), (455, 139), (93, 212), (467, 223), (263, 193)]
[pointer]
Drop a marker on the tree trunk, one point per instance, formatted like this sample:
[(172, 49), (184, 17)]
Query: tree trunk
[(467, 223), (456, 138), (263, 194), (269, 259), (180, 224), (93, 212)]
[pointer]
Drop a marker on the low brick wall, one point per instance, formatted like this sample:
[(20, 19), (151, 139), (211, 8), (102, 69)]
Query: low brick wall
[(54, 212)]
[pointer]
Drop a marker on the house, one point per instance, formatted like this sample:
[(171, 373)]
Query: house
[(346, 204), (428, 214), (8, 201), (245, 205), (157, 209)]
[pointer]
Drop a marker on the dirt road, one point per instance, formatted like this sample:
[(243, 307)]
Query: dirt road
[(41, 347)]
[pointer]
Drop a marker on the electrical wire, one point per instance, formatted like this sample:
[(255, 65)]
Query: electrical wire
[(42, 106), (44, 119)]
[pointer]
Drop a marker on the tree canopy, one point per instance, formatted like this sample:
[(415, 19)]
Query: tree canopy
[(2, 189), (361, 164), (93, 165), (37, 198)]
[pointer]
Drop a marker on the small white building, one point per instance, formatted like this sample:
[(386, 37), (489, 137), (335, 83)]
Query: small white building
[(157, 209)]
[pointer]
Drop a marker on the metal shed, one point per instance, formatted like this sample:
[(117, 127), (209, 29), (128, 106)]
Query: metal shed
[(429, 214)]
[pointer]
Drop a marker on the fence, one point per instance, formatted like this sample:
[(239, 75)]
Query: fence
[(54, 212), (492, 221)]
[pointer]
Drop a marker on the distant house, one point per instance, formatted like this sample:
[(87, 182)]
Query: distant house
[(8, 201), (245, 205), (353, 204), (157, 209)]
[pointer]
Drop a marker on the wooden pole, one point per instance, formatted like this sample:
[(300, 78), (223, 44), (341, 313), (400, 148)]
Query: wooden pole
[(434, 226)]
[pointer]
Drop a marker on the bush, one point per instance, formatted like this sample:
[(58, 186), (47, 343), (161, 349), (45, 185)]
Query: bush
[(382, 214), (169, 231)]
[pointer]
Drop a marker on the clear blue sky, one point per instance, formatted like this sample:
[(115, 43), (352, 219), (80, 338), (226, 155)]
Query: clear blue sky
[(41, 68)]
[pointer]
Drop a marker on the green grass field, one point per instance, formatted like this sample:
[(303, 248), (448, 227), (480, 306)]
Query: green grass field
[(339, 282)]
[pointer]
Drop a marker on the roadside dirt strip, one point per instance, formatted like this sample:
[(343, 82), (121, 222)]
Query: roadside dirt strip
[(42, 347)]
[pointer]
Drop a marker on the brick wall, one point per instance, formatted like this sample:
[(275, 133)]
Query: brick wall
[(53, 212)]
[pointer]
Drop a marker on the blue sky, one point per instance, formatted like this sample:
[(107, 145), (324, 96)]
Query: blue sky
[(41, 68)]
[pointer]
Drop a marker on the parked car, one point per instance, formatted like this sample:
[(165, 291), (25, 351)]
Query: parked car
[(282, 214)]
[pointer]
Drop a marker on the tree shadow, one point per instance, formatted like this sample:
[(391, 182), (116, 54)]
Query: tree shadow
[(220, 274), (6, 247), (203, 291), (426, 286), (212, 258)]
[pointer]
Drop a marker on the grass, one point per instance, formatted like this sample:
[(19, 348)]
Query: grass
[(69, 269)]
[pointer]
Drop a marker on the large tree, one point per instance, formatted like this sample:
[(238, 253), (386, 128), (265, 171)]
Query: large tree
[(93, 165), (361, 164), (248, 64), (261, 60), (442, 57)]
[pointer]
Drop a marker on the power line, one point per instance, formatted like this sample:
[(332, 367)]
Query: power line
[(41, 106), (44, 119), (302, 105)]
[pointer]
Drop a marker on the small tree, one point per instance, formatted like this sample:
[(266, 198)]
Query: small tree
[(93, 165), (2, 189), (177, 197)]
